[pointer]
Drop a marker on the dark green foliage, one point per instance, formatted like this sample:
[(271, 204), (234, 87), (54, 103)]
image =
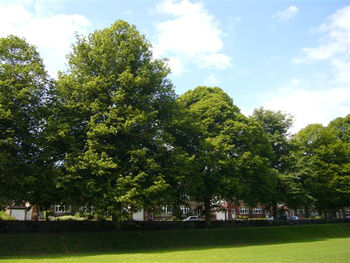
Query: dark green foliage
[(323, 156), (24, 86), (288, 189), (230, 152)]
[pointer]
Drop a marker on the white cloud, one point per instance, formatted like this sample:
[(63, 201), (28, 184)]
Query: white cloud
[(192, 35), (175, 65), (311, 99), (309, 106), (334, 47), (211, 80), (287, 14), (217, 60), (51, 33)]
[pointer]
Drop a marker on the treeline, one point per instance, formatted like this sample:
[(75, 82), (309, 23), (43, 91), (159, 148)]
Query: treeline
[(111, 133)]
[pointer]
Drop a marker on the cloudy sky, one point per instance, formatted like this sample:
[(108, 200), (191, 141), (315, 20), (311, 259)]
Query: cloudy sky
[(292, 56)]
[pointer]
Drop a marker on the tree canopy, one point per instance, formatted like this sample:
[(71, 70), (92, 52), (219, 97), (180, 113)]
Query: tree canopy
[(24, 89), (323, 155), (230, 157), (114, 103), (112, 134)]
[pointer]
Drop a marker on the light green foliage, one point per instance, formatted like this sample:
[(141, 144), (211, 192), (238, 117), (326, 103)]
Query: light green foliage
[(23, 94), (230, 152), (4, 216), (68, 218), (114, 103)]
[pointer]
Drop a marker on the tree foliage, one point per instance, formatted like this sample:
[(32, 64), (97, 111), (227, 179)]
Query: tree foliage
[(323, 160), (111, 134), (230, 151), (115, 100), (288, 188), (24, 86)]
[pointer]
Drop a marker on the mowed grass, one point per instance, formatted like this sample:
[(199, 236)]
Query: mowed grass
[(335, 250), (307, 243)]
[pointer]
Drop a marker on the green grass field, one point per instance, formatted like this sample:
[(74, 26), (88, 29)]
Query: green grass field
[(308, 243)]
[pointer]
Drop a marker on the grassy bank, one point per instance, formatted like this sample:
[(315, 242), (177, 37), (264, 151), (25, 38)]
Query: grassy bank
[(243, 244)]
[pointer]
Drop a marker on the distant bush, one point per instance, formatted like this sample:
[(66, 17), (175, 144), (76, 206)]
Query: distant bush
[(4, 216), (68, 218), (258, 218)]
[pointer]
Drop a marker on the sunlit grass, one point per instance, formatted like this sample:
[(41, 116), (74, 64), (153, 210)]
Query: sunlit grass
[(312, 243), (332, 250)]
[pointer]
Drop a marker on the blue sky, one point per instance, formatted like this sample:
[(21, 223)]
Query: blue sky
[(292, 56)]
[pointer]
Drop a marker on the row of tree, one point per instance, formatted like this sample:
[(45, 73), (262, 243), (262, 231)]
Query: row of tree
[(111, 133)]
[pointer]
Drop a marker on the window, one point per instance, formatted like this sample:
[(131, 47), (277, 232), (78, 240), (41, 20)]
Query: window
[(301, 211), (87, 209), (347, 211), (62, 209), (185, 197), (314, 213), (292, 212), (257, 210), (243, 210), (167, 210), (184, 209)]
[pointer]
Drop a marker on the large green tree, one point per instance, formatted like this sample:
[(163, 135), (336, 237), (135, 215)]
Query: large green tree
[(230, 152), (323, 155), (24, 95), (114, 102), (288, 189)]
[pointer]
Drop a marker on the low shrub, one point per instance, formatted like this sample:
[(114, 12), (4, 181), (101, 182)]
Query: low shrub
[(68, 218), (4, 216)]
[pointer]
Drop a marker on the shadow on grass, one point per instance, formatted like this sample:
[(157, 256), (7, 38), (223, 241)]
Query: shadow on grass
[(55, 246)]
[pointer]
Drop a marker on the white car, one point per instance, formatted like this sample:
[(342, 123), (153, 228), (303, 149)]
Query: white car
[(191, 218)]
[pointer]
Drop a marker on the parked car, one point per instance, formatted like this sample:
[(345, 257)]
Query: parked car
[(191, 218), (293, 218)]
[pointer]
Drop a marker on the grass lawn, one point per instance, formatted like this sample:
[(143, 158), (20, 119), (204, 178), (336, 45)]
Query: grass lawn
[(308, 243)]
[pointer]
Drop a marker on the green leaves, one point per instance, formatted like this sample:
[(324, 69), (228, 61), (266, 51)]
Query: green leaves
[(323, 155), (24, 96), (231, 152), (111, 133), (118, 96)]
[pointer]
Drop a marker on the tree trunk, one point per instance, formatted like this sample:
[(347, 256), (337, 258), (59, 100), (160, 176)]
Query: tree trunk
[(274, 211), (207, 211), (116, 221), (307, 212), (46, 214), (176, 210), (334, 214)]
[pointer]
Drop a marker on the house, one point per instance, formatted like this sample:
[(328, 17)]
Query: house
[(242, 211), (20, 212), (221, 210)]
